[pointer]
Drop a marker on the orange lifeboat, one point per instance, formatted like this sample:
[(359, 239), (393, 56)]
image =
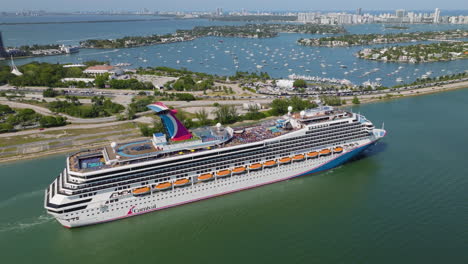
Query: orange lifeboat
[(325, 152), (141, 191), (255, 166), (238, 170), (223, 173), (181, 182), (163, 186), (338, 150), (298, 157), (205, 177), (312, 154), (269, 163), (285, 160)]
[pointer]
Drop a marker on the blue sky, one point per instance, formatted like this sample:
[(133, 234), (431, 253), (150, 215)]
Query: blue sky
[(207, 5)]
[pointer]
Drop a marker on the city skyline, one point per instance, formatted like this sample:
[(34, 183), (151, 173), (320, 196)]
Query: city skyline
[(208, 5)]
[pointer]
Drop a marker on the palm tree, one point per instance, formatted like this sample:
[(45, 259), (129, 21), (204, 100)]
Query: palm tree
[(202, 116)]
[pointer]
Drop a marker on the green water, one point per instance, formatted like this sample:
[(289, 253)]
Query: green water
[(404, 201)]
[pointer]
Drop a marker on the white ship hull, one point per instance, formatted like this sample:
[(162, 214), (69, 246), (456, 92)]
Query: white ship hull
[(129, 205)]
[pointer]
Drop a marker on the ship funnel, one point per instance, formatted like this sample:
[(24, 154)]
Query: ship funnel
[(174, 128)]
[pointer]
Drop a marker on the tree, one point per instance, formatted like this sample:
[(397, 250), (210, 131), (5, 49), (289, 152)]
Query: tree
[(331, 100), (253, 113), (100, 80), (279, 107), (356, 100), (6, 127), (51, 121), (202, 116), (298, 104), (226, 114), (5, 109), (300, 84), (49, 92), (148, 131)]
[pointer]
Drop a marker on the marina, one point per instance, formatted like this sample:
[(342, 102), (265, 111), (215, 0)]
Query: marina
[(350, 203), (279, 56), (324, 185)]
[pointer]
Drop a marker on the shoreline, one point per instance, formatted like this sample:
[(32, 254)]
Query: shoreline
[(365, 99)]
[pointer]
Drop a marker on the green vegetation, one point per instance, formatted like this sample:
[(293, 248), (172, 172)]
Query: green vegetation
[(5, 109), (132, 84), (254, 113), (50, 75), (246, 76), (331, 100), (148, 131), (13, 120), (418, 53), (202, 116), (356, 100), (101, 107), (49, 92), (369, 39), (39, 74), (280, 106), (226, 114), (52, 121), (187, 83), (139, 103), (241, 31), (300, 84)]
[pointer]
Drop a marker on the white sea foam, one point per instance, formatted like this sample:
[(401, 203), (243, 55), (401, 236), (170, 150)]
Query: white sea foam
[(20, 226)]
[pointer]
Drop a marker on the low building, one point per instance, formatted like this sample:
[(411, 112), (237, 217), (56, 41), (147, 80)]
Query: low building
[(103, 69), (86, 80)]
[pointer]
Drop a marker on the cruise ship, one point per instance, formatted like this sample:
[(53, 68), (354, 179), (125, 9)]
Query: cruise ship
[(180, 166)]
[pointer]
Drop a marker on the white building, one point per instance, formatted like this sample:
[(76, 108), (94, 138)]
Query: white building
[(437, 16)]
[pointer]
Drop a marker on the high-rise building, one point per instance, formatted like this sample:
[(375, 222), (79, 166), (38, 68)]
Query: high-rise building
[(359, 11), (3, 53), (400, 13), (219, 11), (437, 15)]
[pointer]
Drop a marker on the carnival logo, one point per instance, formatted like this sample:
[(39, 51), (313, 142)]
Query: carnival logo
[(134, 210), (131, 210)]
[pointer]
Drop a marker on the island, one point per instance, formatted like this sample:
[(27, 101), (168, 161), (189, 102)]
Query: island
[(243, 31), (396, 27), (370, 39), (444, 51)]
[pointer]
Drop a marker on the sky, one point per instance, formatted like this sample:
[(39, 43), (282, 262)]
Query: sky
[(209, 5)]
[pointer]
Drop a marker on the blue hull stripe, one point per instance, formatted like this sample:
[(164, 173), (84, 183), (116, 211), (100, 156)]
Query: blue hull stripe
[(337, 161)]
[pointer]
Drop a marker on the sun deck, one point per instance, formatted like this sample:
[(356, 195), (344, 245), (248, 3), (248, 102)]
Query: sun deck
[(203, 139)]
